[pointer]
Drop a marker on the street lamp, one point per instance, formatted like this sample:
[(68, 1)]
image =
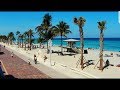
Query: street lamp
[(50, 45)]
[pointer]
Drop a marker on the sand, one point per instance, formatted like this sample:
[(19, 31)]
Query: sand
[(67, 64)]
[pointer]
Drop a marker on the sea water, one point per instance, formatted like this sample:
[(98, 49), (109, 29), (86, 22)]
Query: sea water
[(110, 44)]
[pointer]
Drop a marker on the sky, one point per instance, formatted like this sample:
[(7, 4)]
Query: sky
[(23, 21)]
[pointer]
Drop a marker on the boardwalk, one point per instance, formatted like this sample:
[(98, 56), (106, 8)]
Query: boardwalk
[(18, 68)]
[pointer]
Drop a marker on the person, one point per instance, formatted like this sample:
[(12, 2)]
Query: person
[(112, 54), (29, 63), (45, 58), (12, 54), (35, 59), (74, 56)]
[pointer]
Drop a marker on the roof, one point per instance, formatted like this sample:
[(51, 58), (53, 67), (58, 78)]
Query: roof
[(71, 40)]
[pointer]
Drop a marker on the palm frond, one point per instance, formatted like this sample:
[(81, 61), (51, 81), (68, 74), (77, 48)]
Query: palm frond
[(75, 20)]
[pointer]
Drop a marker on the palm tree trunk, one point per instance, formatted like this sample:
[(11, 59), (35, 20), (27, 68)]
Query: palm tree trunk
[(25, 45), (47, 46), (82, 46), (61, 43), (18, 42), (101, 50), (22, 42), (40, 41), (30, 42), (10, 41), (40, 44)]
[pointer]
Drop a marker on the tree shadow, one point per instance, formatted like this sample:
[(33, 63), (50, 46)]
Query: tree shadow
[(88, 63)]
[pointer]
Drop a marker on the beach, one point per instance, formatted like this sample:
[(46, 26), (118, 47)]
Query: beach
[(66, 64)]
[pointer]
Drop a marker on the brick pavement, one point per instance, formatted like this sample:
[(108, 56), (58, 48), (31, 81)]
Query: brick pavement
[(18, 68)]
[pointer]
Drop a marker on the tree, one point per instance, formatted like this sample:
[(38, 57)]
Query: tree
[(3, 38), (11, 37), (49, 34), (18, 33), (46, 25), (101, 26), (25, 38), (22, 39), (62, 29), (30, 35), (80, 22), (39, 30)]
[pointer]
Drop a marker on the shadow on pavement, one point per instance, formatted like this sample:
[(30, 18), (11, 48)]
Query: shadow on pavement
[(1, 53), (9, 77)]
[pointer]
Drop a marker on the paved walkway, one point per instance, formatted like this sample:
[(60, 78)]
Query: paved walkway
[(45, 69), (18, 68)]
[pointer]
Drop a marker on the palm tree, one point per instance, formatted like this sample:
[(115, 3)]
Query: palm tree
[(39, 30), (80, 22), (101, 26), (3, 38), (46, 24), (11, 37), (30, 35), (49, 35), (25, 35), (62, 29), (22, 39), (18, 33)]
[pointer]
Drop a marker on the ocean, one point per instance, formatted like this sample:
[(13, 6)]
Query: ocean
[(110, 44)]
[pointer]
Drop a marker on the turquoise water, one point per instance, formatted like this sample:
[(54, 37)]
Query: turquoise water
[(110, 44)]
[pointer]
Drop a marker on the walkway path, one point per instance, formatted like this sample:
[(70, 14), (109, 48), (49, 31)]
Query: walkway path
[(18, 68)]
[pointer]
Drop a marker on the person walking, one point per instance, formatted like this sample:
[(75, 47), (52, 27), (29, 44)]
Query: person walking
[(35, 59)]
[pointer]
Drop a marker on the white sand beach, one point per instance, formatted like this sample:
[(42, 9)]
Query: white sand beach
[(67, 64)]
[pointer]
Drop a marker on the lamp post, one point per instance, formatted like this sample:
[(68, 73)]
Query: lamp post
[(50, 51)]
